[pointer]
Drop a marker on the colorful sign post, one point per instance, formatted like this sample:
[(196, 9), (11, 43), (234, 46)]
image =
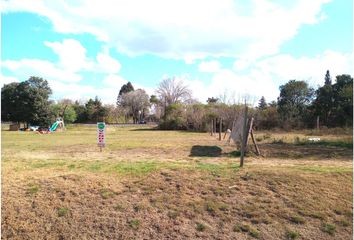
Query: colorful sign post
[(101, 134)]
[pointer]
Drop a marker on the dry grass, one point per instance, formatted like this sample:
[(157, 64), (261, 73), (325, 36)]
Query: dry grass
[(150, 184)]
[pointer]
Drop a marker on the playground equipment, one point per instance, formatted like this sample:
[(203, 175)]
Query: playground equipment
[(59, 122)]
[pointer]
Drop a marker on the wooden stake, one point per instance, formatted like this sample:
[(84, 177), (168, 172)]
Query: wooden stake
[(211, 127), (249, 131), (214, 129), (255, 144), (244, 138), (318, 123), (220, 128), (225, 134)]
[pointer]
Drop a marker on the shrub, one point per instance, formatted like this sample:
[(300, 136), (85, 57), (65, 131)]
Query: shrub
[(328, 228), (290, 234), (200, 227), (62, 211)]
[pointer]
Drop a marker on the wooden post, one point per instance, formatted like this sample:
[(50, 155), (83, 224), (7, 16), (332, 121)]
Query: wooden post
[(318, 123), (220, 128), (211, 127), (225, 134), (215, 125), (255, 144), (249, 131), (244, 137)]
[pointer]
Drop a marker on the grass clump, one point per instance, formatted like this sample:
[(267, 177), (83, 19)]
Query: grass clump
[(200, 227), (297, 219), (211, 207), (328, 228), (134, 224), (106, 193), (62, 211), (278, 141), (254, 232), (290, 234), (172, 214), (267, 136), (244, 227), (33, 188), (119, 207), (344, 222)]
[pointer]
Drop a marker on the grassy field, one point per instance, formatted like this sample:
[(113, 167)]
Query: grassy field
[(149, 184)]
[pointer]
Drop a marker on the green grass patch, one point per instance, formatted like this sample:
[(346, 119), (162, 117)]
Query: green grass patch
[(33, 188), (323, 169), (328, 228), (327, 143), (106, 193), (134, 224), (62, 211), (297, 219), (344, 222), (244, 227), (291, 234), (200, 227)]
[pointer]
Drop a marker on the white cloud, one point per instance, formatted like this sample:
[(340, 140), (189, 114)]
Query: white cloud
[(72, 62), (263, 77), (7, 79), (181, 29), (36, 67), (108, 64), (285, 67), (72, 55), (114, 81), (241, 64), (211, 66)]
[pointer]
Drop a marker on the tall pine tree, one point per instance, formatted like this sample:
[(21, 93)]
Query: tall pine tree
[(324, 100), (328, 79), (124, 89), (262, 103)]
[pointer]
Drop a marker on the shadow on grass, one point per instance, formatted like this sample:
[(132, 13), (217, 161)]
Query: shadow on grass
[(234, 154), (144, 129), (205, 151), (313, 150)]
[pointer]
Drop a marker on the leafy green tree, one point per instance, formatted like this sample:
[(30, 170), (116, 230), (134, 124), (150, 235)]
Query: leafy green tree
[(29, 103), (295, 97), (9, 99), (343, 100), (69, 113), (324, 102), (267, 118), (126, 88), (95, 110), (174, 118), (81, 113)]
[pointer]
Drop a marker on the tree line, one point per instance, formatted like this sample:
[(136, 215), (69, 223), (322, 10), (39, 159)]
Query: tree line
[(173, 107)]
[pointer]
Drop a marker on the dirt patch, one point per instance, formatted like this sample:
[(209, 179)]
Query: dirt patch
[(178, 205)]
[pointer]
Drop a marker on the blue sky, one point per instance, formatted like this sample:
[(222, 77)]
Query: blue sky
[(219, 48)]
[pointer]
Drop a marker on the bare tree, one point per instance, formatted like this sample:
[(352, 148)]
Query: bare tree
[(137, 103), (172, 91)]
